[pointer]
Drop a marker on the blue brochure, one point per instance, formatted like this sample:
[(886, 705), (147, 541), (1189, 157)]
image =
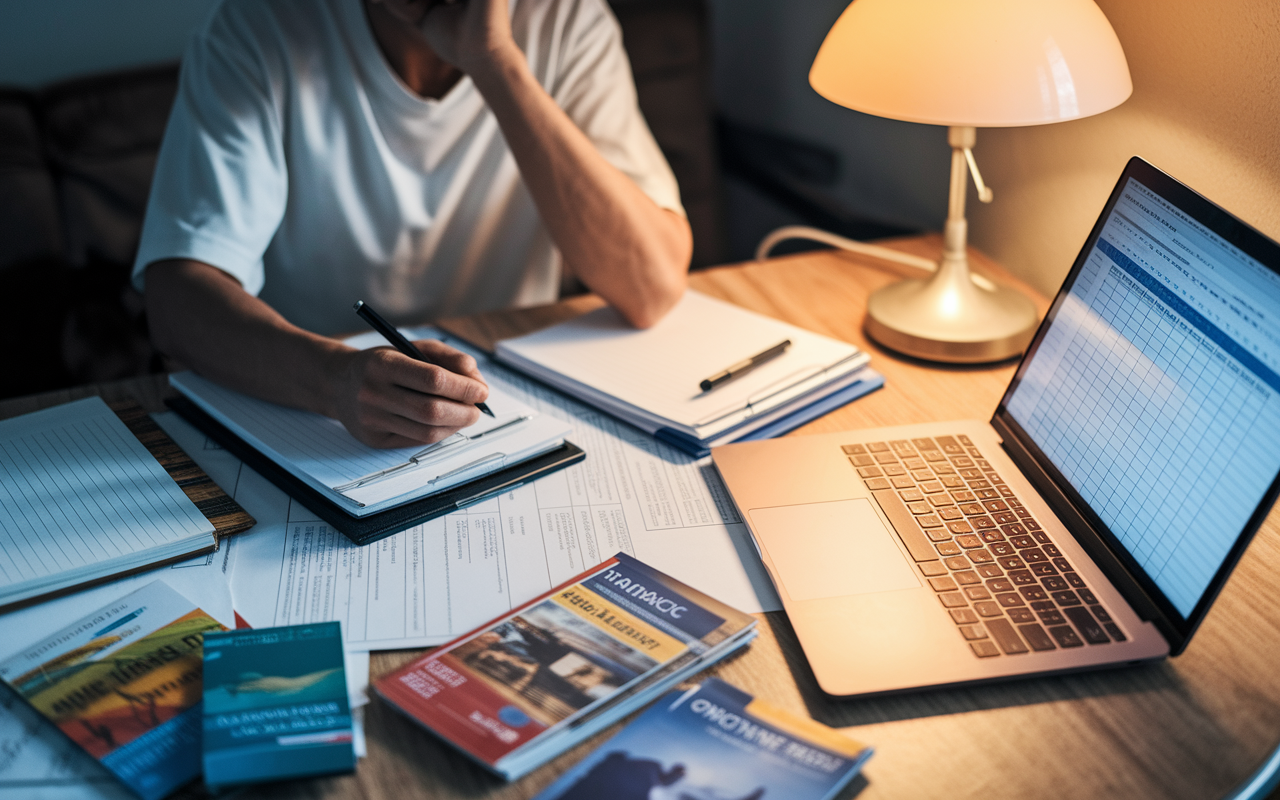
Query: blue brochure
[(715, 742), (275, 705)]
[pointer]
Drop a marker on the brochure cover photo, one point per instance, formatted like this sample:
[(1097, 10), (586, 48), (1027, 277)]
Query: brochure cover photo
[(124, 683), (275, 705), (561, 658), (715, 742)]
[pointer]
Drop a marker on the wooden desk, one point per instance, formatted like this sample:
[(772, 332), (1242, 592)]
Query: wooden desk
[(1190, 727)]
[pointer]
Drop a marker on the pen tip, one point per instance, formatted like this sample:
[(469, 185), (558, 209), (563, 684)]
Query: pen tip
[(356, 307), (485, 409)]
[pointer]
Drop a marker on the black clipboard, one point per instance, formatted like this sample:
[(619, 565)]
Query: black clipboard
[(371, 528)]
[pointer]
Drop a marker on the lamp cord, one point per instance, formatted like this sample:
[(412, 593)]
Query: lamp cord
[(874, 251)]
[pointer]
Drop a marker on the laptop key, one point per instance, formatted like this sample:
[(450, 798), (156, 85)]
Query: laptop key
[(982, 523), (1051, 550), (1000, 585), (1055, 583), (1036, 637), (960, 526), (929, 521), (862, 461), (952, 599), (979, 556), (1044, 569), (1065, 636), (1005, 517), (853, 449), (903, 482), (1001, 548), (919, 508), (957, 563), (1041, 537), (971, 509), (1022, 577), (943, 583), (1052, 616), (1062, 564), (1020, 614), (871, 472), (1033, 555), (973, 632), (947, 548), (990, 570), (877, 447), (969, 577), (963, 616), (1066, 598), (1101, 613), (1022, 541), (1010, 599), (1003, 632), (983, 648), (1073, 579), (876, 483), (1089, 627), (1087, 596), (987, 608), (1033, 593), (937, 534), (916, 542), (950, 513), (1012, 562), (992, 536), (1115, 631), (894, 470), (977, 593), (968, 541), (911, 494)]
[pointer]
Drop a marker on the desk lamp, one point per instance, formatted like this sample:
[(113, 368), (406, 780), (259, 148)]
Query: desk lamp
[(967, 64)]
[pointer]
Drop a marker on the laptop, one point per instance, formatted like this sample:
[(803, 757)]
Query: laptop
[(1093, 520)]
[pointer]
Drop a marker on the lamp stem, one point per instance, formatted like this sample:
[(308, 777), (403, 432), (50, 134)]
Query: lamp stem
[(956, 232)]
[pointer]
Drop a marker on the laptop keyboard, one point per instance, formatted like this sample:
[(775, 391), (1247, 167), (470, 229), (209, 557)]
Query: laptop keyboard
[(993, 568)]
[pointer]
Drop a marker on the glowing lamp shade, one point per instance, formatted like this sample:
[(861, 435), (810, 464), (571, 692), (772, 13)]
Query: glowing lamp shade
[(967, 64), (980, 63)]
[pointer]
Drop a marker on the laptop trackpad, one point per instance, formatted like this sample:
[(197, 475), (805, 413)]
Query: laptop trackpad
[(832, 549)]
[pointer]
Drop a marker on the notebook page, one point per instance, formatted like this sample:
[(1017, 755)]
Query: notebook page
[(658, 370), (79, 490)]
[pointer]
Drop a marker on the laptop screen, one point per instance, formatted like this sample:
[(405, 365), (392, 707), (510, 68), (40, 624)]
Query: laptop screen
[(1155, 388)]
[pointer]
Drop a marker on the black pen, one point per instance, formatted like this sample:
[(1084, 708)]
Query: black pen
[(744, 366), (388, 331)]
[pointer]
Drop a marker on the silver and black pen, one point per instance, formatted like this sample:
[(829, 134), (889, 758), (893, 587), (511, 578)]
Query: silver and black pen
[(744, 366), (397, 341)]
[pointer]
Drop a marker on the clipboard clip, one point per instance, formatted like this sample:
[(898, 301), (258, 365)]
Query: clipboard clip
[(432, 454)]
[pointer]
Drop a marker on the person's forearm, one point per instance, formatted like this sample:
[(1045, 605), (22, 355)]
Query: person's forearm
[(201, 316), (612, 236)]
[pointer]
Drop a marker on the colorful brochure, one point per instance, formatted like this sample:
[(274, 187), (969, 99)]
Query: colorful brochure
[(275, 705), (527, 686), (124, 683), (715, 742)]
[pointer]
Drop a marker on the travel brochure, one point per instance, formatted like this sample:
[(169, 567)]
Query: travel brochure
[(124, 683), (275, 705), (554, 671), (715, 742)]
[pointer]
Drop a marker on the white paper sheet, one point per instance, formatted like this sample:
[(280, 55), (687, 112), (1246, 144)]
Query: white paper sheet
[(435, 581)]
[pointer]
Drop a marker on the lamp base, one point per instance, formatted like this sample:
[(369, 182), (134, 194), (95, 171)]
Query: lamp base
[(937, 320)]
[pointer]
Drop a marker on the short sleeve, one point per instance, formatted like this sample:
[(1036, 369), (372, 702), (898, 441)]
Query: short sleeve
[(220, 185), (595, 87)]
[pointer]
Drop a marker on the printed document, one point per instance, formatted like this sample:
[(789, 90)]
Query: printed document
[(435, 581)]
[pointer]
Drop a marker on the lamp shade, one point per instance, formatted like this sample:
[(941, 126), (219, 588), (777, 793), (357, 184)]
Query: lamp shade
[(981, 63)]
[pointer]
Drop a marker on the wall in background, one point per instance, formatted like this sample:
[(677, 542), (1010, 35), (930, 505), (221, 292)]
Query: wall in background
[(894, 172), (43, 41), (1205, 108)]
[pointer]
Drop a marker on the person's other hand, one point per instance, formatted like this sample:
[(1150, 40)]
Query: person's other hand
[(386, 399), (469, 34)]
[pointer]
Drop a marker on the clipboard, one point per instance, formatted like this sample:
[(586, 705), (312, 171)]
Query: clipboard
[(371, 528)]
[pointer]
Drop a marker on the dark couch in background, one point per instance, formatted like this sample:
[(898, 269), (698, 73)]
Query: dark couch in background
[(75, 167)]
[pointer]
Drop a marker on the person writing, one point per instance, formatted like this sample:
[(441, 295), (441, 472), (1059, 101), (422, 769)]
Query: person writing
[(434, 158)]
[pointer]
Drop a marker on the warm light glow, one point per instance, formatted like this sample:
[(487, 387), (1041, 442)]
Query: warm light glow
[(983, 63)]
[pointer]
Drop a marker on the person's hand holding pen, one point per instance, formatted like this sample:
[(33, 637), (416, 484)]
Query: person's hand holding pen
[(389, 399)]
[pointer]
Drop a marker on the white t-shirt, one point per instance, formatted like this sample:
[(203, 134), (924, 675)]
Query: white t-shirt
[(297, 161)]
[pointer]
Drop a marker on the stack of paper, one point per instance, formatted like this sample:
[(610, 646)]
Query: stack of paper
[(651, 378)]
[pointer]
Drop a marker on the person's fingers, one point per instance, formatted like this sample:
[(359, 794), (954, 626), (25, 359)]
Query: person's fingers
[(450, 358), (393, 368), (426, 409), (394, 430)]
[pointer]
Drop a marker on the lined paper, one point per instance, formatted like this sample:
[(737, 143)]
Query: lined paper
[(81, 495)]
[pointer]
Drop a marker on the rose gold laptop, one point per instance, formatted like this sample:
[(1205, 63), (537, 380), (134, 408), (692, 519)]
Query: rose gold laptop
[(1093, 520)]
